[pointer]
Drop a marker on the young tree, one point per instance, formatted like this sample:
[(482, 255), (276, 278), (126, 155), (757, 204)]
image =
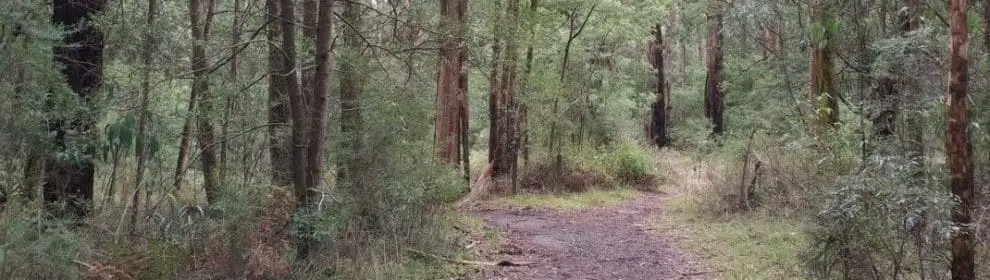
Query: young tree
[(147, 49), (957, 144), (69, 182), (200, 17)]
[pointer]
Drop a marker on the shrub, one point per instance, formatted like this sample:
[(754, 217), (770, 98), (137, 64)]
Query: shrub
[(33, 248), (882, 223), (632, 164)]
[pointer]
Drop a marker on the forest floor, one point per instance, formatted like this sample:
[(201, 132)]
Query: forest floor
[(612, 240)]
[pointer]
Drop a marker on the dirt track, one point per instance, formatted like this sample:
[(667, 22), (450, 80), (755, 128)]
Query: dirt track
[(613, 242)]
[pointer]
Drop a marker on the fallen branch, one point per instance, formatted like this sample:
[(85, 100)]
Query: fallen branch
[(701, 273), (479, 187), (467, 262)]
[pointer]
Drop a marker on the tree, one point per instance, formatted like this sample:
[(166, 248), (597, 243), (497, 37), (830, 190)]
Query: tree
[(574, 30), (714, 94), (318, 101), (958, 150), (351, 123), (660, 106), (278, 119), (451, 121), (69, 182), (297, 101), (503, 103), (206, 136), (140, 141), (822, 82)]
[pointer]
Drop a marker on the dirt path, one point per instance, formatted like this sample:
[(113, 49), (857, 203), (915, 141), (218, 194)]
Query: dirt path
[(613, 242)]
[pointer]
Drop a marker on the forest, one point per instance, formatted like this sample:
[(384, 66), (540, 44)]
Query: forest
[(502, 139)]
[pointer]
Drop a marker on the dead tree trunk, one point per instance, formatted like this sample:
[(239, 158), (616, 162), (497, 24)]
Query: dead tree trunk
[(714, 107), (658, 121), (68, 184), (957, 144), (278, 118)]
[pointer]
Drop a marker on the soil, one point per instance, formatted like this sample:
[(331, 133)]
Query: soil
[(614, 242)]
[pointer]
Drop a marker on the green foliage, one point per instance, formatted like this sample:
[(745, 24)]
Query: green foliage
[(883, 221), (35, 248), (632, 164)]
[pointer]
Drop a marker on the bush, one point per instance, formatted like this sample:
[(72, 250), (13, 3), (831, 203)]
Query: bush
[(32, 248), (882, 223), (632, 164)]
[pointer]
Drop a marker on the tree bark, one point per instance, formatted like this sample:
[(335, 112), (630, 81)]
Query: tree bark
[(182, 163), (351, 122), (206, 137), (278, 118), (297, 110), (658, 122), (70, 182), (714, 107), (451, 95), (503, 114), (821, 68), (957, 144)]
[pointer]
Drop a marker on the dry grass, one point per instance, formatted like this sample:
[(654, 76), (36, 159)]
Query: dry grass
[(740, 246)]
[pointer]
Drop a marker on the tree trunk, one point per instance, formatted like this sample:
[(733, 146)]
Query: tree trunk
[(682, 65), (297, 110), (185, 138), (714, 107), (320, 91), (206, 137), (351, 161), (309, 26), (503, 100), (70, 183), (278, 118), (821, 68), (957, 144), (524, 85), (230, 98), (658, 122), (142, 150), (451, 96)]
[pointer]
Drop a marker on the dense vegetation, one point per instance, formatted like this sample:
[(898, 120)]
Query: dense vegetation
[(316, 139)]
